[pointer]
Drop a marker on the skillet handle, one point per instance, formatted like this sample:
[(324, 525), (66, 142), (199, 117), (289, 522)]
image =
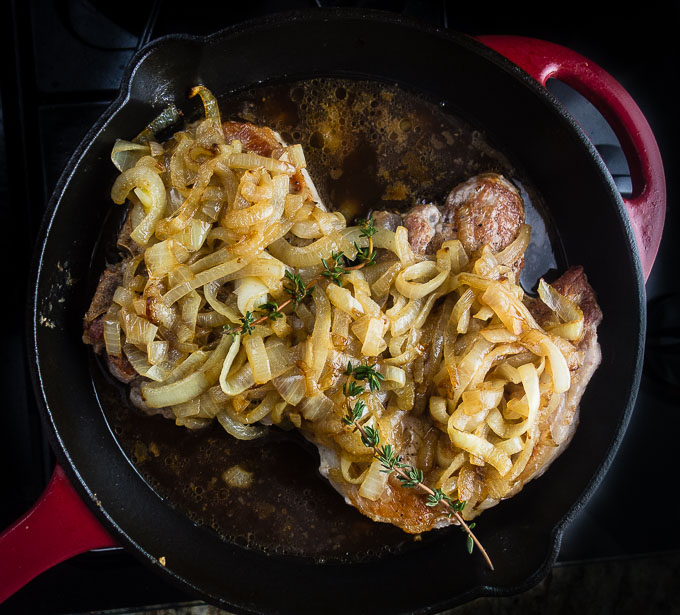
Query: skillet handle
[(58, 526), (647, 206)]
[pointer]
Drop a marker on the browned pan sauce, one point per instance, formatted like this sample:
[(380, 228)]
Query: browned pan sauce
[(369, 146)]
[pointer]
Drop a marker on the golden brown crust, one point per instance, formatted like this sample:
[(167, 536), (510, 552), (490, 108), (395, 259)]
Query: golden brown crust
[(487, 209), (257, 139), (421, 223), (93, 328)]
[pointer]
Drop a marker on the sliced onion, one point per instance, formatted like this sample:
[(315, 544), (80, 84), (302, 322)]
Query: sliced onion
[(570, 313), (264, 408), (416, 290), (483, 397), (239, 430), (211, 260), (251, 293), (480, 447), (343, 299), (402, 321), (316, 407), (374, 483), (126, 154), (193, 237), (258, 359), (291, 387), (498, 335), (239, 381), (204, 277), (166, 118), (382, 285), (228, 362), (469, 364), (152, 184), (345, 465), (516, 249), (529, 376), (311, 255), (394, 374), (112, 336), (405, 357), (157, 351), (559, 370), (506, 307), (190, 386), (373, 342), (210, 294), (160, 259), (193, 362), (254, 161), (461, 311), (176, 392), (138, 330), (438, 410), (281, 357), (124, 297), (320, 337)]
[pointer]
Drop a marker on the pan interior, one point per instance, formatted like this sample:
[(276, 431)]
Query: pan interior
[(369, 146)]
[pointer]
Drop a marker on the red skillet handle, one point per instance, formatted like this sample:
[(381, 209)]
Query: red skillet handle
[(59, 526), (647, 206)]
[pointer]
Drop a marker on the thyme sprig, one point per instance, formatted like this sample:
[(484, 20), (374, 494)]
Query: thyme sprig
[(334, 271), (368, 227), (365, 256), (247, 324), (408, 476), (299, 290)]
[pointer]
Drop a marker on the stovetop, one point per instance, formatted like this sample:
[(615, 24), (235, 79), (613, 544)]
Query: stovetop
[(62, 65)]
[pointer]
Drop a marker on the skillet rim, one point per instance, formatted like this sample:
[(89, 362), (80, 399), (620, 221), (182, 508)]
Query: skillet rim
[(331, 14)]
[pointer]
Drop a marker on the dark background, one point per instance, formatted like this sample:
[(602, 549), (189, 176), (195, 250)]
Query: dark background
[(61, 65)]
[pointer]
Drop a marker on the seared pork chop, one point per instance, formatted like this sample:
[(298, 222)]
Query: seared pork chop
[(486, 210)]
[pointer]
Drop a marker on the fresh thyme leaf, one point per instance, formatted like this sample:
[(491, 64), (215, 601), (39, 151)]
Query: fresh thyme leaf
[(370, 437), (389, 459), (336, 269), (435, 498), (271, 309), (367, 227), (353, 389), (298, 290), (470, 544), (365, 255), (458, 505), (247, 323), (245, 328), (413, 477), (355, 413), (369, 374)]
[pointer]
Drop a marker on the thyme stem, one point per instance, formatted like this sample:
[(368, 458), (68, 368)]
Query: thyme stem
[(398, 469)]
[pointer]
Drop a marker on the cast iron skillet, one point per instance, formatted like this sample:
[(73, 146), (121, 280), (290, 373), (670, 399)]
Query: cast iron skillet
[(521, 119)]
